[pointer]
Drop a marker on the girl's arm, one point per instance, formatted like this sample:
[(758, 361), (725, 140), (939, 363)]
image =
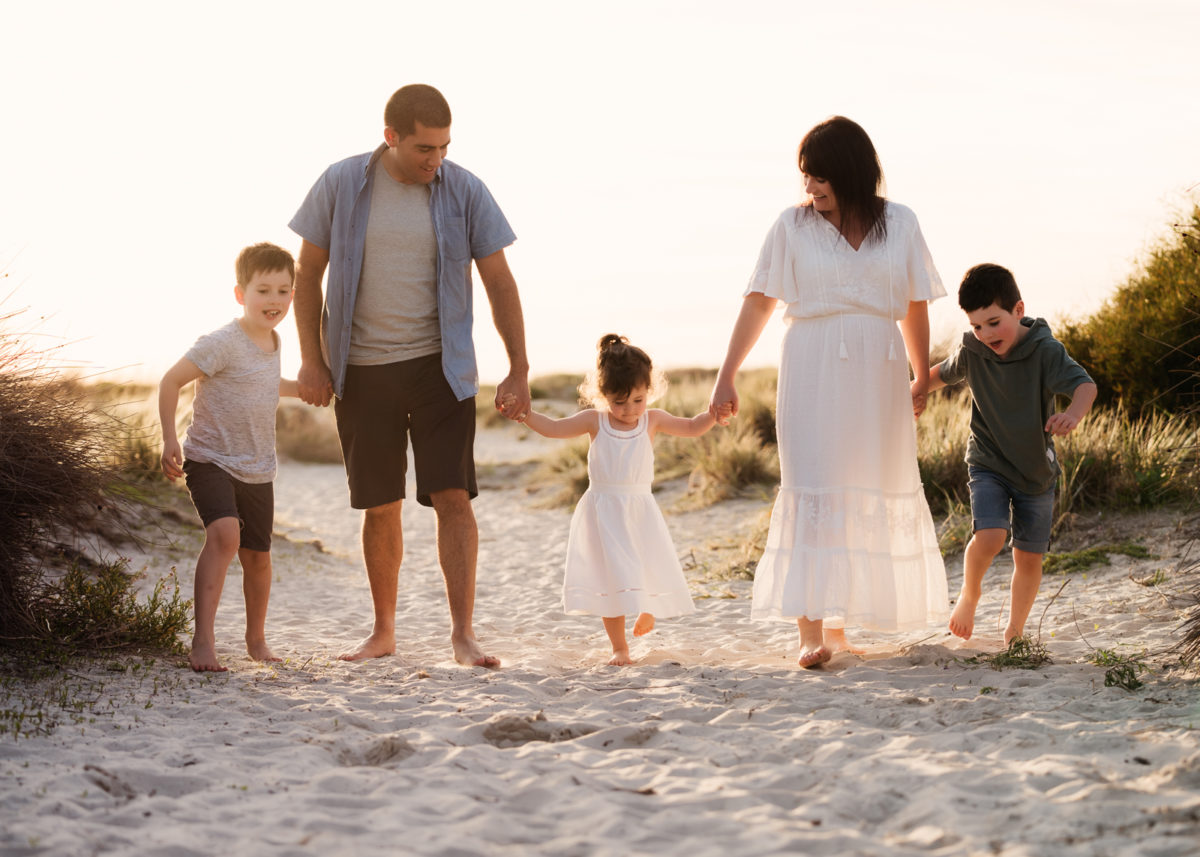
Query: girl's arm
[(584, 422), (661, 421), (289, 389), (178, 376)]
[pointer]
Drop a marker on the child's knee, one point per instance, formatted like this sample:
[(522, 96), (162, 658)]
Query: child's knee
[(990, 540)]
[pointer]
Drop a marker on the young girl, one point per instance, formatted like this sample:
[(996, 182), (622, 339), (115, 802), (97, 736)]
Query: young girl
[(620, 557)]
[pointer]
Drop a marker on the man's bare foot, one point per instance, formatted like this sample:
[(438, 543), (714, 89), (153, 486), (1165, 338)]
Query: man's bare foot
[(260, 651), (374, 646), (468, 653), (203, 658), (814, 657), (835, 640), (620, 658), (644, 624), (962, 620)]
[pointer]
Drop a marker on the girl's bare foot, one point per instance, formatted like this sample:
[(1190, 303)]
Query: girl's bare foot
[(1011, 633), (203, 658), (260, 651), (810, 658), (644, 625), (962, 620), (620, 658)]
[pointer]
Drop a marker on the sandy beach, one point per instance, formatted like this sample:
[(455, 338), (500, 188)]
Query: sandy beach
[(714, 743)]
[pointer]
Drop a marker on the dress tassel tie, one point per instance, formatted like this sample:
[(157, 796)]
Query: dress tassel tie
[(892, 350), (843, 354)]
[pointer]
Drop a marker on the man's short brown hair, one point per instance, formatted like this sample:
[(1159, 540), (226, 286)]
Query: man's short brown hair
[(417, 102)]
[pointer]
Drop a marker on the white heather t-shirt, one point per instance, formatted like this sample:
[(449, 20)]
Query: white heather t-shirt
[(396, 308), (233, 416)]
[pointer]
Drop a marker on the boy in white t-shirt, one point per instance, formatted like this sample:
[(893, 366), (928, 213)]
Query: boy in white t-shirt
[(228, 458)]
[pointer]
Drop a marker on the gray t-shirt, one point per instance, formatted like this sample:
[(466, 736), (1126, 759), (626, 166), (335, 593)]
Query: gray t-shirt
[(396, 309), (233, 416), (1012, 397)]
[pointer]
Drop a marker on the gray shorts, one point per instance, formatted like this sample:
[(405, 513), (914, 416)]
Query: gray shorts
[(995, 504)]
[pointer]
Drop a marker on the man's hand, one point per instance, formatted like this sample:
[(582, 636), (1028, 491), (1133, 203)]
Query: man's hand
[(315, 384), (512, 397)]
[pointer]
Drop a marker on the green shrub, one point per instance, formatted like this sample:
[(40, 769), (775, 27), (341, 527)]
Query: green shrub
[(1142, 345)]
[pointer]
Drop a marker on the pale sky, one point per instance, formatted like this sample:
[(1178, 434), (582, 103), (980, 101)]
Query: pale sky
[(640, 150)]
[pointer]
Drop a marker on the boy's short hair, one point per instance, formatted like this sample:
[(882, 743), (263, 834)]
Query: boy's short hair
[(263, 257), (988, 284), (417, 102)]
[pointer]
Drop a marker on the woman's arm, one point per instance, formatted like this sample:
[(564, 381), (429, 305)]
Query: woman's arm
[(756, 311)]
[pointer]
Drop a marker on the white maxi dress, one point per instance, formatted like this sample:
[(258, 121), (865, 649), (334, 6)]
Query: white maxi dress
[(851, 539), (620, 557)]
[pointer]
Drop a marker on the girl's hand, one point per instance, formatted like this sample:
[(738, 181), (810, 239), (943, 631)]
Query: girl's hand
[(723, 413)]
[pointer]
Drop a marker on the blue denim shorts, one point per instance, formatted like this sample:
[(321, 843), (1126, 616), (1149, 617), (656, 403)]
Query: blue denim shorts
[(995, 504)]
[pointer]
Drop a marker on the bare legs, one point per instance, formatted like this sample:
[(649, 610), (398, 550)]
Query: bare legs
[(221, 540), (813, 651), (1023, 589), (458, 548), (614, 626)]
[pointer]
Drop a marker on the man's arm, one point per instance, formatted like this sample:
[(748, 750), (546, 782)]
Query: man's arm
[(502, 294), (314, 381)]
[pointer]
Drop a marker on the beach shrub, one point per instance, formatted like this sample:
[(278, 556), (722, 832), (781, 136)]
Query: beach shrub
[(1142, 345), (60, 482)]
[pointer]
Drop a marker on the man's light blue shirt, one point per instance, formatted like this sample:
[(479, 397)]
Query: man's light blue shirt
[(467, 223)]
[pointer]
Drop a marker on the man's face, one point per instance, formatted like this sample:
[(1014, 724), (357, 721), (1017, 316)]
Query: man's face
[(415, 159)]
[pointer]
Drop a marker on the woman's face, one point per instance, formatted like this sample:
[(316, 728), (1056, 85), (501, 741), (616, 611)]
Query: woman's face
[(821, 193)]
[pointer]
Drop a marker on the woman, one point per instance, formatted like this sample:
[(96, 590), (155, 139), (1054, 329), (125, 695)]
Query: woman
[(851, 537)]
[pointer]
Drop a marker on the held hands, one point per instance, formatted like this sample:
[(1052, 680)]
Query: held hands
[(722, 413), (723, 403), (509, 405), (314, 384), (919, 398)]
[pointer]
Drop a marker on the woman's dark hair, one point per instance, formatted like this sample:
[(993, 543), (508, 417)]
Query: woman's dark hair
[(839, 151)]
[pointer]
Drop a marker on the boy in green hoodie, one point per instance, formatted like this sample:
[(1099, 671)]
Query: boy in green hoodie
[(1014, 368)]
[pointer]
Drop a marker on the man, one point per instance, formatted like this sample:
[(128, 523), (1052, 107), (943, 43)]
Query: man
[(397, 229)]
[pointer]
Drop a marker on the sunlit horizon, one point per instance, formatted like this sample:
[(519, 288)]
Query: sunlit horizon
[(640, 152)]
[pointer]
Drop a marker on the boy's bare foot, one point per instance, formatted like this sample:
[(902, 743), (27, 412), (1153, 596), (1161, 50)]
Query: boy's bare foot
[(203, 659), (260, 651), (620, 658), (810, 658), (468, 653), (644, 624), (374, 646), (835, 640), (1011, 633), (962, 620)]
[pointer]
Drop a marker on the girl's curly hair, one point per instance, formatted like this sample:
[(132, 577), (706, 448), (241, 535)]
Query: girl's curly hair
[(620, 368)]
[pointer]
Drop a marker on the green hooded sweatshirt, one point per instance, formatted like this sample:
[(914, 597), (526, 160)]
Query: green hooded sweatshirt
[(1012, 397)]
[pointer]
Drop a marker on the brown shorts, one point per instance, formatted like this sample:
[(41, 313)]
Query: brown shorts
[(380, 408)]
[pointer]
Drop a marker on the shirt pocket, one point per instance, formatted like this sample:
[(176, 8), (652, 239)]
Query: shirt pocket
[(453, 239)]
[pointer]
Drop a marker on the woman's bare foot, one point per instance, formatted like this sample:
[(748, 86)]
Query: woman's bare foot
[(962, 620), (468, 653), (644, 624), (835, 640), (810, 658), (203, 658), (260, 651), (620, 658), (375, 646), (1011, 633)]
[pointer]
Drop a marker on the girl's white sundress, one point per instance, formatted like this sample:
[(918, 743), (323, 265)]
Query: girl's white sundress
[(620, 557), (851, 538)]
